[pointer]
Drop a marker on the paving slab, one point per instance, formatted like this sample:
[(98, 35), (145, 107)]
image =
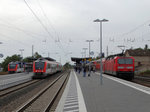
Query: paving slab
[(111, 96)]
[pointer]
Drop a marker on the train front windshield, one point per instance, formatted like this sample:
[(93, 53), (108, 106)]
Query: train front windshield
[(39, 65), (12, 66), (125, 61)]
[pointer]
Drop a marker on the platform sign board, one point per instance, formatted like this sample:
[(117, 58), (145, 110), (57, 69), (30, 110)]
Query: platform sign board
[(90, 59)]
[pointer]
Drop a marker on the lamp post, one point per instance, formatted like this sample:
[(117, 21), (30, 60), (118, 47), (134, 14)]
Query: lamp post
[(59, 56), (89, 53), (1, 55), (21, 50), (82, 54), (100, 21), (85, 51)]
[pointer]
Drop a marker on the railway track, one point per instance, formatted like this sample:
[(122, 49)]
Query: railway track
[(44, 99), (146, 79), (15, 88), (142, 80)]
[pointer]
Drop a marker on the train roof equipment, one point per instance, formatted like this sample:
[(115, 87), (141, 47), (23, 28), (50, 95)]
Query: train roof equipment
[(112, 56)]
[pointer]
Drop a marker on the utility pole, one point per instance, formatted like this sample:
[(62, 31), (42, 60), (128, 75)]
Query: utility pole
[(21, 50), (107, 50), (32, 51)]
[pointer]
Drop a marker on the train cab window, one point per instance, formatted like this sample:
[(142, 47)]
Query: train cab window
[(39, 65), (125, 61), (12, 66)]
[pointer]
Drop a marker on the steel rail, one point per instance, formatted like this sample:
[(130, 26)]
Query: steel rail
[(55, 96), (34, 98), (15, 88), (141, 78)]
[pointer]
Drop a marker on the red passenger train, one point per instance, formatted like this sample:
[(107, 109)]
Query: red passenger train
[(119, 66), (16, 67), (44, 67)]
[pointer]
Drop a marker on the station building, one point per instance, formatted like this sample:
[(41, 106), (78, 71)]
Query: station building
[(142, 58)]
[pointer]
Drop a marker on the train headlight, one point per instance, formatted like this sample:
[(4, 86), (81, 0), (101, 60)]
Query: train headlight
[(120, 67), (129, 67)]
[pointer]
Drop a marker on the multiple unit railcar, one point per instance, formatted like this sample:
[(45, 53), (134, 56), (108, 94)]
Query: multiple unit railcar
[(43, 67), (15, 67), (119, 66)]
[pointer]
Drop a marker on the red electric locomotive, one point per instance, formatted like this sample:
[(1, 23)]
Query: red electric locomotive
[(119, 66), (44, 67)]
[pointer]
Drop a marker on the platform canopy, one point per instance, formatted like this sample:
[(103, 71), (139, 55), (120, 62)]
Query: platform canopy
[(79, 60)]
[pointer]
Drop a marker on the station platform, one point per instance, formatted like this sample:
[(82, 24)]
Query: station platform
[(9, 80), (86, 94)]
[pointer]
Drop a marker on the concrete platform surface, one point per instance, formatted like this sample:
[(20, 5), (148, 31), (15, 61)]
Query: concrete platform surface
[(14, 79), (86, 94)]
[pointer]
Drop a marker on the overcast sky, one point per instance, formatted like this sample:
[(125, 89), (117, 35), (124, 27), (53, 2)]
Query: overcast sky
[(63, 26)]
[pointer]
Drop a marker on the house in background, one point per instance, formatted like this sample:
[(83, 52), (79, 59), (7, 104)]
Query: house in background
[(142, 58)]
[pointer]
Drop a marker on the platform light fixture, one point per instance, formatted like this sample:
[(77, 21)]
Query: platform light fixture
[(21, 50), (89, 52), (85, 51), (101, 21)]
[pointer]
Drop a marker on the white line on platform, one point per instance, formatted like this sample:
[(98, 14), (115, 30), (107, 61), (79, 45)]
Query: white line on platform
[(75, 110), (72, 103), (61, 103), (130, 84), (70, 107), (82, 107), (75, 100), (69, 98)]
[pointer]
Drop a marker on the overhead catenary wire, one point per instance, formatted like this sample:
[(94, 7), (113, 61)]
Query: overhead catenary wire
[(50, 24), (44, 27), (17, 41), (19, 29), (136, 28)]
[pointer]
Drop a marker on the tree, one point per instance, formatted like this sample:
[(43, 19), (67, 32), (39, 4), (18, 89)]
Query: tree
[(37, 55), (8, 59), (31, 59), (67, 66), (28, 59)]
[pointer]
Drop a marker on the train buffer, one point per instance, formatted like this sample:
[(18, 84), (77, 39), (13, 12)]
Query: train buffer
[(86, 94)]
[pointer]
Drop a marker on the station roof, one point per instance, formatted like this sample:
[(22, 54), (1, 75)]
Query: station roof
[(77, 60)]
